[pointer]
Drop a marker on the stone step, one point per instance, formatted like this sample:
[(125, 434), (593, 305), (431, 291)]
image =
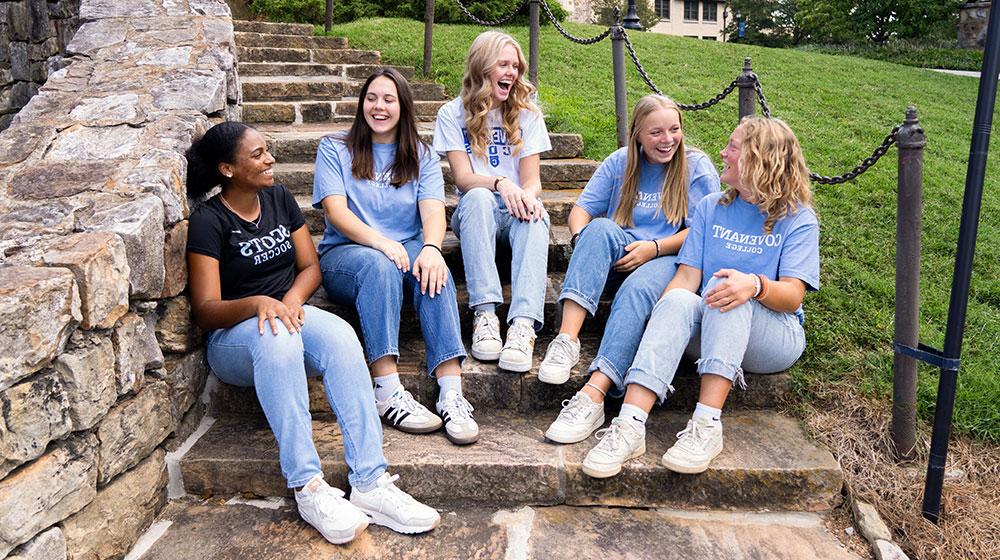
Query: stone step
[(768, 463), (360, 71), (318, 56), (239, 529), (322, 88), (281, 41), (299, 144), (246, 26), (426, 111)]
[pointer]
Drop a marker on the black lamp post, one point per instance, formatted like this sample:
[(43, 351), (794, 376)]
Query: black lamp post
[(631, 20)]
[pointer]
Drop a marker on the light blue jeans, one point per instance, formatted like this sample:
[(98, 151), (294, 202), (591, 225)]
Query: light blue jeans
[(479, 221), (277, 366), (750, 336), (590, 274), (366, 278)]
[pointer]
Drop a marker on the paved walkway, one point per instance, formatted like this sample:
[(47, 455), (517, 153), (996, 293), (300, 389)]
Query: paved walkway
[(966, 73)]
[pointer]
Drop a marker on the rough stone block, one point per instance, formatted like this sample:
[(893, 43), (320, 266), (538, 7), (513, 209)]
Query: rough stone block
[(83, 143), (176, 330), (197, 89), (39, 307), (131, 431), (34, 413), (98, 262), (45, 180), (22, 140), (39, 12), (95, 35), (53, 487), (186, 376), (20, 69), (121, 512), (888, 550), (18, 20), (130, 354), (48, 545), (105, 9), (175, 260), (152, 354), (210, 8), (39, 52), (87, 372), (110, 110), (187, 426), (140, 225), (162, 173), (869, 522)]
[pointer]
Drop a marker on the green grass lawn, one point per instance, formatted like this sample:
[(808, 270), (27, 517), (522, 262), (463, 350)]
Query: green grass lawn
[(841, 107)]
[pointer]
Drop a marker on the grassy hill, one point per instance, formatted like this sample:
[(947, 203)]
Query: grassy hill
[(841, 108)]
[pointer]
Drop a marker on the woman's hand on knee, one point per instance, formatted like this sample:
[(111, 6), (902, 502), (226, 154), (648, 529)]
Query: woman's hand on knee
[(736, 289), (637, 253), (395, 251), (272, 311), (298, 312), (515, 199), (430, 270)]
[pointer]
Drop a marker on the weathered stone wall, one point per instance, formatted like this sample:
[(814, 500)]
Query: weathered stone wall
[(100, 367), (972, 20), (33, 39)]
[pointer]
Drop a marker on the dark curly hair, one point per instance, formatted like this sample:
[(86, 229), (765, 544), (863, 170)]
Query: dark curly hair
[(218, 145)]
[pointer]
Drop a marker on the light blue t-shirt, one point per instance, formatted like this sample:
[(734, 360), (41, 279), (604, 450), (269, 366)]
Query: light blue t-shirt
[(391, 211), (603, 192), (733, 237)]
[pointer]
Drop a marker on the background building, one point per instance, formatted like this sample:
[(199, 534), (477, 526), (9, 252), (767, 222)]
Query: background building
[(702, 19)]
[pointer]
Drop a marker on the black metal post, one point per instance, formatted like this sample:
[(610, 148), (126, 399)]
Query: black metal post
[(428, 35), (621, 100), (631, 20), (533, 42), (909, 186), (748, 97), (328, 22), (974, 177)]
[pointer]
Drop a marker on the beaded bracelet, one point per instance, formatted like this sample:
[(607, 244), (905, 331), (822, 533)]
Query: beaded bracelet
[(435, 246), (657, 243)]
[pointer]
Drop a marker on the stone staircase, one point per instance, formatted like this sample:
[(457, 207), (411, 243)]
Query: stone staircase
[(298, 88)]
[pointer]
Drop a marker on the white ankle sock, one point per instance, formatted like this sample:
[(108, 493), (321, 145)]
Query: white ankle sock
[(635, 416), (490, 308), (449, 383), (385, 386), (712, 415), (530, 323)]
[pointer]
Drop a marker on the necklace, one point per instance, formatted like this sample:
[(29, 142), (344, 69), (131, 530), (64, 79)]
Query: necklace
[(260, 211)]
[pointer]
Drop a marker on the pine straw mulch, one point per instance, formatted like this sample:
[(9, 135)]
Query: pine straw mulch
[(856, 430)]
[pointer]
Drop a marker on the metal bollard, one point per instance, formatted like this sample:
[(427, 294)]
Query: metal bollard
[(533, 42), (746, 81), (621, 101), (328, 21), (910, 141), (428, 32)]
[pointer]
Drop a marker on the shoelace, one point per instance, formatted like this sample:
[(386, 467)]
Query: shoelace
[(458, 409), (394, 494), (693, 437), (403, 400), (519, 338), (573, 408), (328, 507), (560, 351), (486, 328), (611, 437)]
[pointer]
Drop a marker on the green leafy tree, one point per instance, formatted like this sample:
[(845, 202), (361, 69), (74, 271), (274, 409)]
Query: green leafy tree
[(768, 22), (604, 12), (876, 21)]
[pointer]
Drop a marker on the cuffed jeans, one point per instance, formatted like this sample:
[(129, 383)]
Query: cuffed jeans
[(365, 277), (602, 243), (479, 221), (750, 336), (276, 366)]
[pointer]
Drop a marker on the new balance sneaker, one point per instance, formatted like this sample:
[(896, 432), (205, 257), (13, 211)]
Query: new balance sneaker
[(517, 351), (563, 353), (325, 508), (619, 443), (404, 413), (486, 343), (578, 419), (697, 445), (390, 507), (459, 426)]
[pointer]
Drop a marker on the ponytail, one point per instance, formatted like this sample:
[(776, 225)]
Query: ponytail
[(218, 145)]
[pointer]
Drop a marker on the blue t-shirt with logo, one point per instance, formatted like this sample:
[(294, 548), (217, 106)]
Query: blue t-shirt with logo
[(391, 211), (732, 236), (603, 192)]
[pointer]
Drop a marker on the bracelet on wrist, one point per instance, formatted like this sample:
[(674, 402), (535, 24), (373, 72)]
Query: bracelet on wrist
[(757, 285), (435, 246), (496, 183), (574, 239), (657, 243), (764, 282)]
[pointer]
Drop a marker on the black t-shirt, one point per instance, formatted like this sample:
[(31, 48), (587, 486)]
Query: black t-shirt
[(253, 260)]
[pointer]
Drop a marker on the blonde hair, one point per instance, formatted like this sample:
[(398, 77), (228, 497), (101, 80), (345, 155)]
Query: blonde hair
[(673, 194), (477, 92), (772, 169)]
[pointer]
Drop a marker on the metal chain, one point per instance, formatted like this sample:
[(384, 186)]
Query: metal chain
[(567, 34), (638, 65), (760, 97), (864, 165), (495, 23)]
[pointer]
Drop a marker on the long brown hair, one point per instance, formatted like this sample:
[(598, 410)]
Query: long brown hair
[(673, 194), (406, 166)]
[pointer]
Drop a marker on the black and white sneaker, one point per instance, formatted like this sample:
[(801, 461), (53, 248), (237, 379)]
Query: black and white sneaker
[(404, 413), (459, 426)]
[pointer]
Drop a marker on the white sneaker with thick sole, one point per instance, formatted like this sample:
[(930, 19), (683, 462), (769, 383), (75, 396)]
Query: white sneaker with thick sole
[(404, 413), (486, 344), (325, 508), (390, 507), (578, 419), (459, 426), (697, 445), (562, 354), (517, 351), (619, 443)]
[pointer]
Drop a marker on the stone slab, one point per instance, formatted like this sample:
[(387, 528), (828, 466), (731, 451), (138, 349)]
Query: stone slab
[(291, 41), (270, 27), (47, 545)]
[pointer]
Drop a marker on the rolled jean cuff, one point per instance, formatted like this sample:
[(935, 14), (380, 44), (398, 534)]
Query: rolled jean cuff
[(651, 382), (374, 355), (722, 368), (302, 482), (460, 354), (473, 304), (611, 372), (539, 320), (365, 485), (580, 298)]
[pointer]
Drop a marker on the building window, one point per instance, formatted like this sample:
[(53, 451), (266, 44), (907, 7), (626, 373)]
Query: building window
[(662, 8), (690, 10), (709, 37), (710, 11)]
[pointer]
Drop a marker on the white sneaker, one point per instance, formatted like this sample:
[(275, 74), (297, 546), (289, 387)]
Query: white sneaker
[(486, 343), (325, 508), (391, 507), (697, 445), (517, 351), (459, 426), (578, 419), (563, 353), (619, 443), (404, 413)]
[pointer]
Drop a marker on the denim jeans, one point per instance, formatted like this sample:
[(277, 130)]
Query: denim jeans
[(602, 243), (365, 277), (479, 221), (276, 366), (750, 336)]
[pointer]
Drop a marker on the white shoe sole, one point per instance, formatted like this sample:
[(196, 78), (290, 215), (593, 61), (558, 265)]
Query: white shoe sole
[(568, 438), (596, 473), (386, 521), (486, 356), (687, 468), (347, 537), (457, 440), (553, 378), (415, 430), (515, 367)]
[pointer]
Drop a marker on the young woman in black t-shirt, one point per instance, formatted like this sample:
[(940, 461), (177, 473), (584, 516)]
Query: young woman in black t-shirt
[(252, 266)]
